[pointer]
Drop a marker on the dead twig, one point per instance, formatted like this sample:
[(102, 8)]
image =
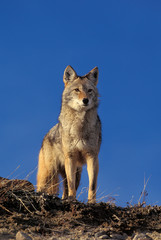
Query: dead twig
[(5, 209), (21, 202), (143, 193)]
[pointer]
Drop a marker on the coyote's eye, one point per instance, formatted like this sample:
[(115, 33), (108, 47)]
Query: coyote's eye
[(77, 90), (89, 90)]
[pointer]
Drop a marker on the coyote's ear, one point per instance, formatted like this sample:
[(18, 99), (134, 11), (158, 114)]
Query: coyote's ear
[(93, 75), (69, 75)]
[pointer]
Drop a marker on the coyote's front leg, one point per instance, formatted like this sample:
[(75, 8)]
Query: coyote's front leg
[(70, 169), (92, 168)]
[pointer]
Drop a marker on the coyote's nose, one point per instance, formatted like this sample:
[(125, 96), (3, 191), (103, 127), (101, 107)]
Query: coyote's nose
[(85, 101)]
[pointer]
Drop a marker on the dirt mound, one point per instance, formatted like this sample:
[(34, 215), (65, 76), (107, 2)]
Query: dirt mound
[(44, 215)]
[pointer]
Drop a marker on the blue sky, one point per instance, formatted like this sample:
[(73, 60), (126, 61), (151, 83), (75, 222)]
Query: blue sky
[(38, 39)]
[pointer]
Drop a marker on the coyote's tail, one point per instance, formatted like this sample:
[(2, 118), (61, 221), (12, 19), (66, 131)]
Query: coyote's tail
[(47, 179)]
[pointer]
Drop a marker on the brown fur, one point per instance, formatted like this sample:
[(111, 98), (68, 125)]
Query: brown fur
[(75, 140)]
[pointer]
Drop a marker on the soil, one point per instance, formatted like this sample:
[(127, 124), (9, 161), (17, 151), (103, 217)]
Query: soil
[(42, 216)]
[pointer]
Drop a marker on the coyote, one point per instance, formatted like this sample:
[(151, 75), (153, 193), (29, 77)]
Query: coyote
[(75, 140)]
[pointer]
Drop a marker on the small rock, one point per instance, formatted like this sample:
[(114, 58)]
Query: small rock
[(142, 236), (104, 237), (100, 234), (117, 236), (113, 239), (22, 236)]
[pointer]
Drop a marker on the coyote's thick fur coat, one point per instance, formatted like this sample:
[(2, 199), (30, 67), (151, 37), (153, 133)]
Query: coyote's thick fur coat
[(75, 140)]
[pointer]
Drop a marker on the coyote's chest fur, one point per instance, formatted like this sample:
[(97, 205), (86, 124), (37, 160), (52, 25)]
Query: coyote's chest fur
[(75, 140), (79, 129)]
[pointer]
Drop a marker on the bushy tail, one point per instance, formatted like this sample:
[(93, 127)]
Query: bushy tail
[(47, 179)]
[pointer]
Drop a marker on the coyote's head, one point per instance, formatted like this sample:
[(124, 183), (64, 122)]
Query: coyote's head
[(80, 93)]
